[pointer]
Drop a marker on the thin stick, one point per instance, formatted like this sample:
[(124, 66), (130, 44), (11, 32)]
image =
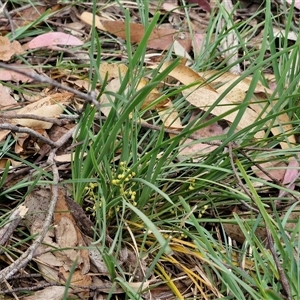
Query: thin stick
[(88, 97), (59, 122), (36, 134)]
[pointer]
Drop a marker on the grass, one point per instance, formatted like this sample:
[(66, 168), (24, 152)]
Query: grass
[(172, 213)]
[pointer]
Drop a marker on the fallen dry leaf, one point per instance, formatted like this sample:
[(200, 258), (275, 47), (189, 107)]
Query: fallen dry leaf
[(50, 106), (186, 75), (273, 167), (28, 15), (202, 3), (13, 163), (204, 96), (193, 148), (54, 38), (282, 123), (170, 116), (6, 100), (64, 238), (291, 175), (160, 38), (49, 293), (296, 3), (8, 49), (197, 42)]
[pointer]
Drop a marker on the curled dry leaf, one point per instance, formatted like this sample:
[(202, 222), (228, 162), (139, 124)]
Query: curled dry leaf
[(9, 49)]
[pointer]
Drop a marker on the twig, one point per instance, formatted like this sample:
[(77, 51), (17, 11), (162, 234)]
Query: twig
[(28, 131), (35, 134), (240, 181), (29, 288), (88, 97), (282, 277), (28, 255), (59, 122)]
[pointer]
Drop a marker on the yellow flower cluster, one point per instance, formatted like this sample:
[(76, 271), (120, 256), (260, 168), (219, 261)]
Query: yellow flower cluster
[(91, 196), (192, 184), (205, 207), (90, 191), (122, 181)]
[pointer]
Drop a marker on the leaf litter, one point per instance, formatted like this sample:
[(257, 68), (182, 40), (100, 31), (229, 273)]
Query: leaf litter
[(68, 244)]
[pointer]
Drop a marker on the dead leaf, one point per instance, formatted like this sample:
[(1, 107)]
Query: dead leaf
[(160, 38), (199, 39), (138, 286), (186, 75), (88, 19), (192, 148), (205, 99), (21, 140), (50, 106), (296, 3), (13, 163), (290, 176), (65, 238), (6, 99), (282, 123), (273, 167), (49, 293), (202, 3), (106, 100), (170, 116), (204, 96), (28, 15), (54, 38), (117, 71), (3, 132), (234, 231), (8, 49)]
